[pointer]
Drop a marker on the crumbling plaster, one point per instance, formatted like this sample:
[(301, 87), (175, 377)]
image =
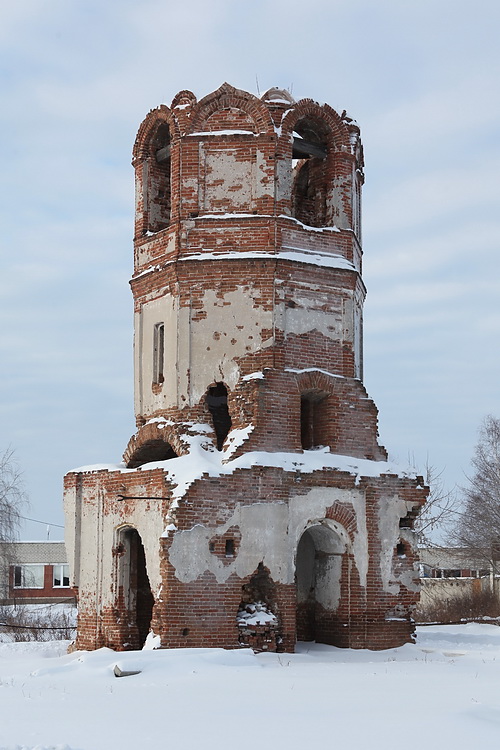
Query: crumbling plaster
[(390, 510), (270, 534), (90, 551)]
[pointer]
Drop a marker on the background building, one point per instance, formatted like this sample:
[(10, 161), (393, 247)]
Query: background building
[(34, 573)]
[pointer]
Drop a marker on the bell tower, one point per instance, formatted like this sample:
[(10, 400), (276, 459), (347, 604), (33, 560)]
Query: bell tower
[(254, 506), (248, 260)]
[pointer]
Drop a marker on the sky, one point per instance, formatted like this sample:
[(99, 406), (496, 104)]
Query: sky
[(76, 81)]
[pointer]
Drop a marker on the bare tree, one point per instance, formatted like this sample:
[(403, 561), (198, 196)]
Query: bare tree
[(435, 518), (12, 503), (478, 528)]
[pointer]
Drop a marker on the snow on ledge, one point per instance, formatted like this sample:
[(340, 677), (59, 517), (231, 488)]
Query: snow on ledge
[(259, 375), (325, 260), (314, 369), (184, 470)]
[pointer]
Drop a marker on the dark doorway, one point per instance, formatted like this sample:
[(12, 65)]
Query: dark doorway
[(217, 406), (318, 574), (135, 590)]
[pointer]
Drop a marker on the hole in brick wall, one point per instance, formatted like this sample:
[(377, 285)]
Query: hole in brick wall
[(313, 420), (216, 400), (211, 546), (152, 450), (407, 522), (185, 631), (229, 551), (260, 589), (401, 549)]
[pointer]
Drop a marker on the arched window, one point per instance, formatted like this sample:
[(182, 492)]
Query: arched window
[(310, 182), (217, 405), (151, 450), (158, 181)]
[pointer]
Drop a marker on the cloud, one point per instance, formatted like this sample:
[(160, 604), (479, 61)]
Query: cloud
[(78, 78)]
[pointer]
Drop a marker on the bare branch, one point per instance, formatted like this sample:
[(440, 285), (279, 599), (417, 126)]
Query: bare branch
[(13, 501), (478, 527), (439, 512)]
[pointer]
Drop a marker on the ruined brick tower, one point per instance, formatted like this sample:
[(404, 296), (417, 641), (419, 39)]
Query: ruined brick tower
[(254, 505)]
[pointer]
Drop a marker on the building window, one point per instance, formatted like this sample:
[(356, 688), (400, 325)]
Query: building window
[(28, 576), (311, 178), (158, 197), (60, 577), (313, 420), (158, 352)]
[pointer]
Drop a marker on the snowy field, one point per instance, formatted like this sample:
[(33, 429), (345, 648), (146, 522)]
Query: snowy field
[(443, 692)]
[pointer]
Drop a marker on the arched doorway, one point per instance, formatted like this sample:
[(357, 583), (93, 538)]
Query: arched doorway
[(321, 552), (134, 590)]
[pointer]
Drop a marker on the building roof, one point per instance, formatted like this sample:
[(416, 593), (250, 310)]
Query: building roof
[(449, 558), (36, 552)]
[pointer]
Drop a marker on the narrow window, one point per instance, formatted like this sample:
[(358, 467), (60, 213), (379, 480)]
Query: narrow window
[(310, 185), (158, 178), (60, 578), (229, 548), (158, 352), (217, 405), (313, 420)]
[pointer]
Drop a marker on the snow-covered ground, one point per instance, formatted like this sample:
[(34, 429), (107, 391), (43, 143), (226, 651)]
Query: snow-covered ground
[(443, 692)]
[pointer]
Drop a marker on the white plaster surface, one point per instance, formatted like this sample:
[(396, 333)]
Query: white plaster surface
[(314, 311), (163, 310), (229, 181), (232, 328), (270, 533), (391, 509)]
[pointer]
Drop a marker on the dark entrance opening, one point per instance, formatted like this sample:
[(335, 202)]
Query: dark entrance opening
[(152, 450), (217, 406), (318, 580), (135, 590)]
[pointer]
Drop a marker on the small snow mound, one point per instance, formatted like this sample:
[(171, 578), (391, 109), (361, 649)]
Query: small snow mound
[(256, 614), (152, 642)]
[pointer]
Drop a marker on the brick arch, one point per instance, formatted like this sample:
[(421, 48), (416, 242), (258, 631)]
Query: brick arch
[(228, 96), (344, 516), (324, 116), (316, 381), (152, 433), (182, 98), (275, 94), (159, 116)]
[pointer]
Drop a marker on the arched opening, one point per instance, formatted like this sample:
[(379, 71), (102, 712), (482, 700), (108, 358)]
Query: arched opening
[(159, 192), (310, 183), (134, 590), (313, 420), (151, 450), (217, 406), (318, 577)]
